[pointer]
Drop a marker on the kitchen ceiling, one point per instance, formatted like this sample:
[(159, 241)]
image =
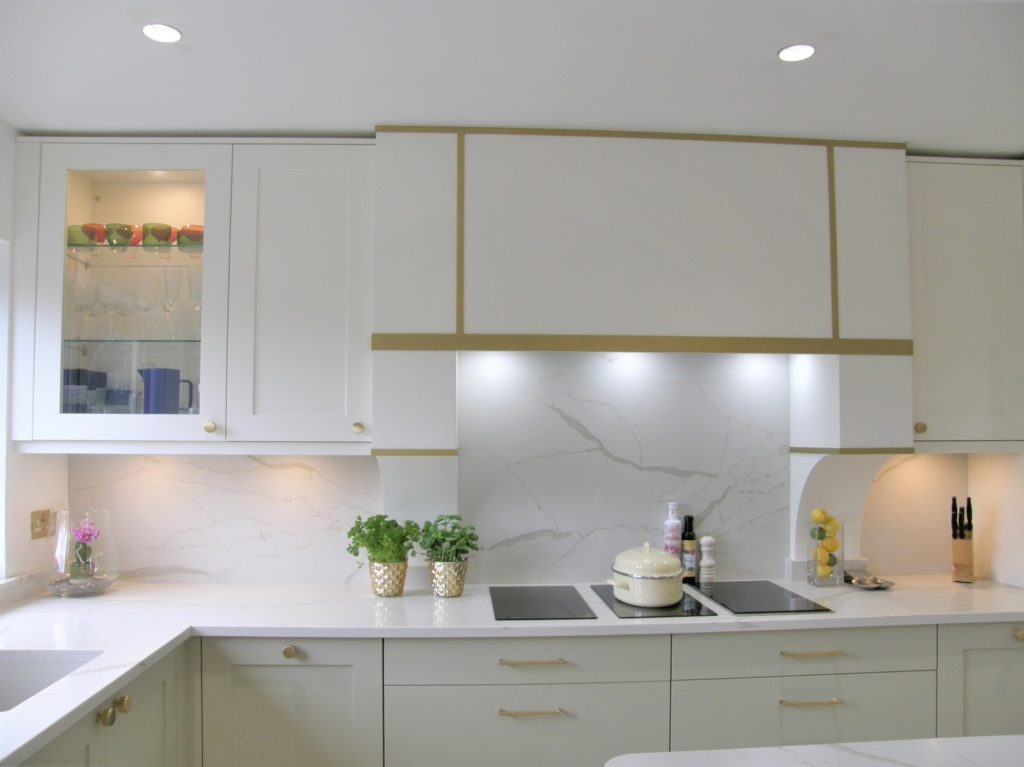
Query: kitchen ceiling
[(945, 77)]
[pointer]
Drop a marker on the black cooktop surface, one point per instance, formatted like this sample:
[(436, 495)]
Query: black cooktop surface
[(685, 608), (538, 603), (751, 597)]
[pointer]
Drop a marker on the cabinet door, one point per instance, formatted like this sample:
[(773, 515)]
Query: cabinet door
[(967, 261), (83, 745), (981, 680), (130, 314), (558, 725), (148, 733), (301, 293), (793, 710), (320, 707)]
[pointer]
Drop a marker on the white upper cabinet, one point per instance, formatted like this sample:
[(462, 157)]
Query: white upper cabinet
[(122, 327), (301, 284), (967, 254), (590, 235), (130, 317)]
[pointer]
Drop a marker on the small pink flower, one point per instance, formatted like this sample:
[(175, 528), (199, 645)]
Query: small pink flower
[(87, 532)]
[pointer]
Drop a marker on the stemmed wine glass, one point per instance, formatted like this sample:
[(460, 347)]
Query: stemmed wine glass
[(111, 296), (195, 294), (172, 294), (81, 296), (148, 297)]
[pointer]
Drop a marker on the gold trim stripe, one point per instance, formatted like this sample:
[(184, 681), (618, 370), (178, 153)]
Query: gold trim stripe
[(833, 239), (460, 234), (414, 452), (852, 450), (446, 342), (664, 135)]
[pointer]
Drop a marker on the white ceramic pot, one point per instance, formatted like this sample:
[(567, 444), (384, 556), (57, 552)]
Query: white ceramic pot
[(647, 577)]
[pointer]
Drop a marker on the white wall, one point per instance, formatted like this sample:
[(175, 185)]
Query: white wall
[(996, 486)]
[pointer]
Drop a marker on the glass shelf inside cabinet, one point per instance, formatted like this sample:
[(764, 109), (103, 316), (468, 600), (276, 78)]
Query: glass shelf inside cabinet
[(134, 256)]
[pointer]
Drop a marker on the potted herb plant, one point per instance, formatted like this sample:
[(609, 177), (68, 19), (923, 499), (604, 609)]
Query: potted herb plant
[(447, 542), (388, 545)]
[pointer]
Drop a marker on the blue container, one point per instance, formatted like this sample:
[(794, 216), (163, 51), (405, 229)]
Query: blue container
[(161, 392)]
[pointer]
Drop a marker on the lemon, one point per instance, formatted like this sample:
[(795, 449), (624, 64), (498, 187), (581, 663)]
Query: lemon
[(832, 527), (824, 571), (830, 544), (819, 516), (822, 556)]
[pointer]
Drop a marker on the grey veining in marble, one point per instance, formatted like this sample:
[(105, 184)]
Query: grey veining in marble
[(230, 518), (567, 459)]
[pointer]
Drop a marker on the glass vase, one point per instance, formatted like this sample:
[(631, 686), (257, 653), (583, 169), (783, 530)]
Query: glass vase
[(825, 554), (84, 554)]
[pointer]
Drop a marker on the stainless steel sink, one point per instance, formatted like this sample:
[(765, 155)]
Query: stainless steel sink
[(23, 673)]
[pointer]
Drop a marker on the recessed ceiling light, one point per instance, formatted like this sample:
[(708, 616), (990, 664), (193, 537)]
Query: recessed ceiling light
[(161, 33), (798, 52)]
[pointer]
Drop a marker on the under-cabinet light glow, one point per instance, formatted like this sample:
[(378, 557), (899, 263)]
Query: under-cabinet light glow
[(161, 33)]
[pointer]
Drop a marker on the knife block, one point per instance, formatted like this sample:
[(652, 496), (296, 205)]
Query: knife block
[(963, 561)]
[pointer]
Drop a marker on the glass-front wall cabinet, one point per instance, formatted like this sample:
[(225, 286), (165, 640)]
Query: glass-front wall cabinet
[(131, 329)]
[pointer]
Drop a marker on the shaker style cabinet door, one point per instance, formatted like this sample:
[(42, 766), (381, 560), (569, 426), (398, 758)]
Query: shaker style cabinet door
[(309, 702), (130, 286), (84, 745), (299, 360), (967, 261), (981, 680)]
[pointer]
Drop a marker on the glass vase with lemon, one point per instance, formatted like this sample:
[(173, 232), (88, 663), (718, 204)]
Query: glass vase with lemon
[(825, 550)]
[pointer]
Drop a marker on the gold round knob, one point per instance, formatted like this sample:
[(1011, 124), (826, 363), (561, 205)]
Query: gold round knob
[(920, 427), (123, 703), (290, 651), (209, 427), (1019, 634), (358, 428), (107, 716)]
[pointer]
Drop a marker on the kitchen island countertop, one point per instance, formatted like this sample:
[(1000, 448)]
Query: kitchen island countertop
[(988, 751), (136, 623)]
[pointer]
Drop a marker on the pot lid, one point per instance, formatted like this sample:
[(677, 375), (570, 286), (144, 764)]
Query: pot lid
[(647, 562)]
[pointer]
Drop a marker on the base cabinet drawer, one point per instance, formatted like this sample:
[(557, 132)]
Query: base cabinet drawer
[(556, 725), (795, 710)]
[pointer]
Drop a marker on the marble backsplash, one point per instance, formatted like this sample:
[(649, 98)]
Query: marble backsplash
[(564, 460)]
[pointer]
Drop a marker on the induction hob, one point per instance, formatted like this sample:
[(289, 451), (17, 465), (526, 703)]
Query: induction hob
[(538, 603), (687, 607), (754, 597)]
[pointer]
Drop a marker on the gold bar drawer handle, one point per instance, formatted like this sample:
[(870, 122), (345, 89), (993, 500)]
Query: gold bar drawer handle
[(810, 703), (534, 712), (812, 655), (527, 663)]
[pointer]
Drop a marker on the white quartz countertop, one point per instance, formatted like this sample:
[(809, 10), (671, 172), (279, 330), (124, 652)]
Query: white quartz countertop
[(136, 623), (989, 751)]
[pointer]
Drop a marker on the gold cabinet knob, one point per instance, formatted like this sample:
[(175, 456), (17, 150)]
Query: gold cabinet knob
[(209, 427), (290, 651), (920, 427), (123, 703), (1019, 634), (107, 716), (358, 428)]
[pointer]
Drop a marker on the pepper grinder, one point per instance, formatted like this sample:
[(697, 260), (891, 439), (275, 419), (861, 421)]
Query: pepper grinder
[(707, 565)]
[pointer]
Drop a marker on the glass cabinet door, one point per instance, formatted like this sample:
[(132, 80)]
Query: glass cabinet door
[(132, 286)]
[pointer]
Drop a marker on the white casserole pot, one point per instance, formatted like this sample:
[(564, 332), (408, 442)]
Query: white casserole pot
[(647, 577)]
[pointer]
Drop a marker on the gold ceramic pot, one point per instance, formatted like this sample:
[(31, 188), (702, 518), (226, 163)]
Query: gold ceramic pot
[(448, 579), (387, 579)]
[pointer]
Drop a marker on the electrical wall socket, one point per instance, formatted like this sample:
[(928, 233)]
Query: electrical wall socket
[(40, 523)]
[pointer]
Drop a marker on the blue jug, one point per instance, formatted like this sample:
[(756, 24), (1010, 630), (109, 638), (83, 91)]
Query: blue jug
[(161, 390)]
